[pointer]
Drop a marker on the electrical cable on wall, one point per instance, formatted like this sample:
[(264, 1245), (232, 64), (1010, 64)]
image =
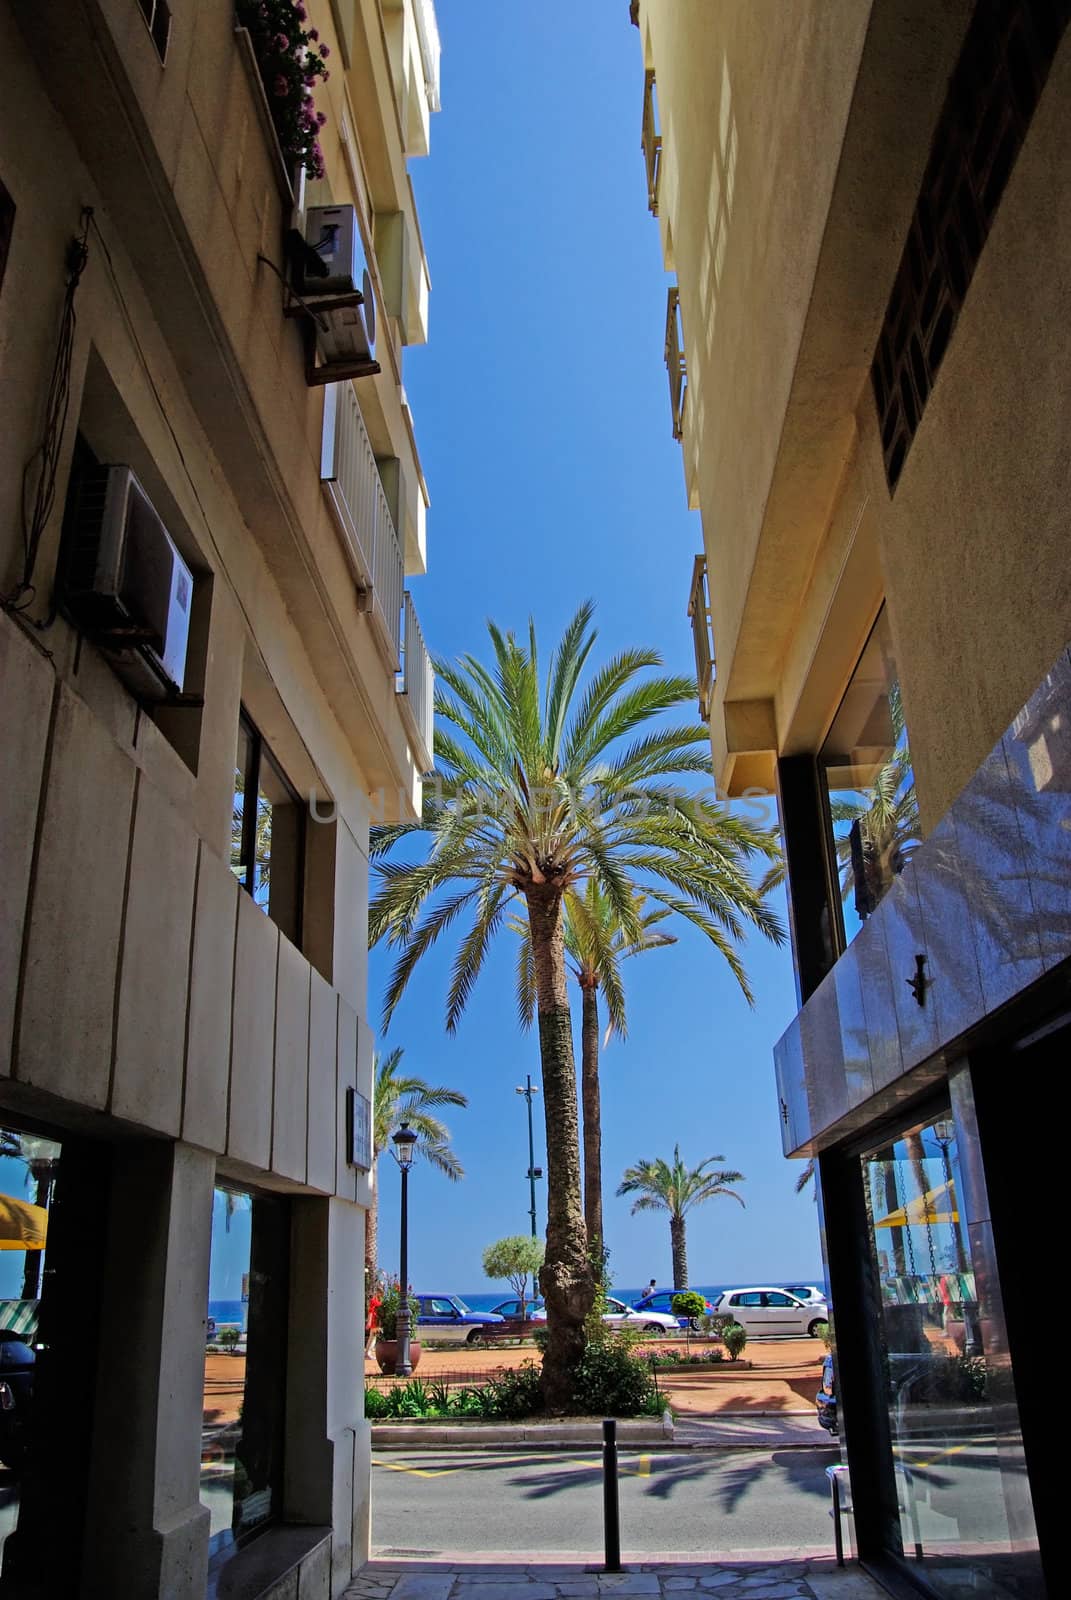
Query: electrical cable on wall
[(41, 471)]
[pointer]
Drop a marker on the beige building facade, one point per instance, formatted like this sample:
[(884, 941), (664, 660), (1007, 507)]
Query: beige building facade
[(863, 207), (213, 679)]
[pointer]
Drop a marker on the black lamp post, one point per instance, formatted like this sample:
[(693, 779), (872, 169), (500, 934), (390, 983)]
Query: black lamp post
[(534, 1172), (404, 1142)]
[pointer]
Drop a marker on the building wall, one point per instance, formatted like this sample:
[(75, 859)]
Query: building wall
[(145, 1001)]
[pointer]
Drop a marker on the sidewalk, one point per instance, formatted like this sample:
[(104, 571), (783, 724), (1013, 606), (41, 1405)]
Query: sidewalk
[(493, 1576)]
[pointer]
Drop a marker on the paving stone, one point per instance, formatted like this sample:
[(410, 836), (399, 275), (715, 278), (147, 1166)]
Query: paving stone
[(503, 1589), (424, 1586), (629, 1583), (673, 1584)]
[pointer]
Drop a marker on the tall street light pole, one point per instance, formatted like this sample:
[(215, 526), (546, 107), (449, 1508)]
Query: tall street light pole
[(534, 1172), (404, 1142)]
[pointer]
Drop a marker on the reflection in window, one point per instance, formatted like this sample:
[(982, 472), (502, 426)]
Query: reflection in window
[(245, 1366), (28, 1168), (267, 832), (952, 1415), (866, 766)]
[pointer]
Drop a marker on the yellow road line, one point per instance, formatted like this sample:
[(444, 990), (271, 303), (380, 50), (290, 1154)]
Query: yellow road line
[(642, 1468)]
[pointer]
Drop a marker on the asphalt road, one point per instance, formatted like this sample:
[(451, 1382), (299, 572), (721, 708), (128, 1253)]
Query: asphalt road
[(531, 1502)]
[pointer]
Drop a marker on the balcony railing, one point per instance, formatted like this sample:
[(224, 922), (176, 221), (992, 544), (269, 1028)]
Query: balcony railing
[(675, 364), (430, 49), (651, 142), (416, 688), (702, 635), (355, 494)]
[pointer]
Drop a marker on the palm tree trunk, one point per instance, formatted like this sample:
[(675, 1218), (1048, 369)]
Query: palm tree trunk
[(566, 1277), (680, 1252), (589, 1091), (371, 1232)]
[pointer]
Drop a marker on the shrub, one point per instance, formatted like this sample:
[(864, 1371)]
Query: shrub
[(515, 1393), (375, 1404), (387, 1313), (734, 1338), (611, 1381), (688, 1304)]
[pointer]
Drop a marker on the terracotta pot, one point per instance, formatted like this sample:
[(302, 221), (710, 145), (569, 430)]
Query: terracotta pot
[(387, 1354)]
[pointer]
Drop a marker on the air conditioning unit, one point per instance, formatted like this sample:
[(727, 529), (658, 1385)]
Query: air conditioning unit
[(125, 583), (343, 300)]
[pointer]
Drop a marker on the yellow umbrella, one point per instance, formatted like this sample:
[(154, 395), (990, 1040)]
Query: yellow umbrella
[(22, 1226), (925, 1208)]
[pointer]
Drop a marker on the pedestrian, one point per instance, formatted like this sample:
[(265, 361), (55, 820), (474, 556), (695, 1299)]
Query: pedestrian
[(371, 1322), (651, 1286)]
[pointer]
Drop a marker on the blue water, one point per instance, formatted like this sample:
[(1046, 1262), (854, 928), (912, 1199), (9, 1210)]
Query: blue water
[(228, 1311)]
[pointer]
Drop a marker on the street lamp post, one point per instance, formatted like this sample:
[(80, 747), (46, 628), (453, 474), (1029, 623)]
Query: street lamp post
[(404, 1142), (534, 1172)]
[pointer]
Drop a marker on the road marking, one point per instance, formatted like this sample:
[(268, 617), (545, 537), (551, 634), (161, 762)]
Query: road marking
[(923, 1466), (642, 1468)]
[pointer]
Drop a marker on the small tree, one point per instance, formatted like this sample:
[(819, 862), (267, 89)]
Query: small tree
[(515, 1259)]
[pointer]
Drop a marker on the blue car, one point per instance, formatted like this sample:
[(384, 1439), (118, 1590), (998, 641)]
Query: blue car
[(662, 1300), (447, 1318)]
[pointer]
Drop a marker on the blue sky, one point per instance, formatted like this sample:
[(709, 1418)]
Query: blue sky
[(542, 413)]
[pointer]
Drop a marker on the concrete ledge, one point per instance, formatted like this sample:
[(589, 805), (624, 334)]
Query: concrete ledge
[(630, 1431)]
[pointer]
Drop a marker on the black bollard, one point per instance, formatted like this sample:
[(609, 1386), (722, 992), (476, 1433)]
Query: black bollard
[(610, 1509)]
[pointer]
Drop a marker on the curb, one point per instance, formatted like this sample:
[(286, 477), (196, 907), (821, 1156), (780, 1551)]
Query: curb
[(629, 1432)]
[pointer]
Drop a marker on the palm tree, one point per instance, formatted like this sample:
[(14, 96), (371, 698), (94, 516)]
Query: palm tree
[(595, 946), (396, 1099), (661, 1187), (540, 787)]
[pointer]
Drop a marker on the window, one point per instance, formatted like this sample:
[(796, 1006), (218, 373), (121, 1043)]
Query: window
[(1001, 71), (7, 222), (245, 1366), (754, 1299), (675, 362), (777, 1300), (865, 764), (267, 833), (158, 21), (956, 1441), (28, 1169)]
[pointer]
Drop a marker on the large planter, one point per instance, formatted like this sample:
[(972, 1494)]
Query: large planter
[(388, 1350)]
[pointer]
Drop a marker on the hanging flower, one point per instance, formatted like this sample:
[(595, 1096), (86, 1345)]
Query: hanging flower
[(291, 59)]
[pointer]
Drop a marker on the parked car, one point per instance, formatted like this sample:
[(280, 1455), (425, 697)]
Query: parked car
[(16, 1392), (534, 1310), (662, 1300), (619, 1315), (826, 1399), (767, 1310), (808, 1293), (447, 1317)]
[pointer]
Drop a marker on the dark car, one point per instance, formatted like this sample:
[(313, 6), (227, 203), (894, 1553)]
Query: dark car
[(16, 1392), (662, 1300), (447, 1317), (826, 1398)]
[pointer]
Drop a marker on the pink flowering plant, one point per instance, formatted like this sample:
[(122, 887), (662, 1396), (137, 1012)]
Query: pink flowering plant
[(291, 58)]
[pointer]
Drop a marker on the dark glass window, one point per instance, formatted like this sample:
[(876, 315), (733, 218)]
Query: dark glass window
[(245, 1366), (865, 765), (956, 1442), (267, 832), (28, 1169)]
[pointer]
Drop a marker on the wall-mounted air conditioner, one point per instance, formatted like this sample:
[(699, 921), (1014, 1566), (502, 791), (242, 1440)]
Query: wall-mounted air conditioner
[(125, 584), (342, 300)]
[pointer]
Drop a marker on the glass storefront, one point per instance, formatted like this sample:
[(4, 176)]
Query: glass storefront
[(957, 1447), (28, 1169), (865, 765), (245, 1365)]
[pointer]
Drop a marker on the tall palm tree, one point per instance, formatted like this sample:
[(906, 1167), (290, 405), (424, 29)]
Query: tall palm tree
[(675, 1189), (398, 1098), (541, 786), (595, 946)]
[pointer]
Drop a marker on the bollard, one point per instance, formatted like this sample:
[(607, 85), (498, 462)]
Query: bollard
[(834, 1475), (610, 1509)]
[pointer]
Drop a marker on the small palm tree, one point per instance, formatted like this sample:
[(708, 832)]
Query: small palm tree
[(397, 1098), (807, 1176), (660, 1187), (541, 786), (595, 946)]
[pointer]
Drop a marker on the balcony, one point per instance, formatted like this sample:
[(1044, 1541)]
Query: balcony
[(416, 688), (702, 635), (430, 49), (675, 363), (651, 142), (358, 502)]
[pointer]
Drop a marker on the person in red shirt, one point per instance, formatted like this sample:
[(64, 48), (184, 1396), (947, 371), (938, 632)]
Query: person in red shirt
[(371, 1322)]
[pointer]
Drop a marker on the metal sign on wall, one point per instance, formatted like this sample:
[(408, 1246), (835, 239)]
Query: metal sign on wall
[(358, 1130)]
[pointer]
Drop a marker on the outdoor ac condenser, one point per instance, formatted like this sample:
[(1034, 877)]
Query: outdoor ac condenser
[(344, 332), (125, 583)]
